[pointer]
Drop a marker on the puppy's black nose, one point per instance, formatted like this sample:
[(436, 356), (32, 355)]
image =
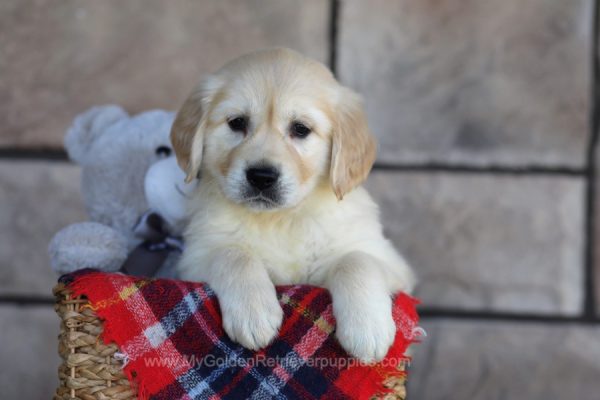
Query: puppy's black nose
[(262, 178)]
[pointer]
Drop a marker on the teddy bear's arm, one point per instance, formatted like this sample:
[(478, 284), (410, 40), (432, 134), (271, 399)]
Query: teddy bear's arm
[(87, 245)]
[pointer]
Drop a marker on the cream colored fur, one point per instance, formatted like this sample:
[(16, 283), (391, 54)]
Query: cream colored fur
[(323, 230)]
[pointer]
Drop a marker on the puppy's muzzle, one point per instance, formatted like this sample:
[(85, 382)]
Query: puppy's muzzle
[(262, 178)]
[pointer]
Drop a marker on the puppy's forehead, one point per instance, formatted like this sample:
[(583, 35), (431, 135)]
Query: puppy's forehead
[(280, 100), (278, 65), (275, 74)]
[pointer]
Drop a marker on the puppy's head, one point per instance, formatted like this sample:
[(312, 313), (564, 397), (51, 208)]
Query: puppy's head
[(269, 127)]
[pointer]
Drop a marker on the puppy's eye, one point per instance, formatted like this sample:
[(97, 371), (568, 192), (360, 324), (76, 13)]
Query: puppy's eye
[(163, 151), (238, 124), (299, 130)]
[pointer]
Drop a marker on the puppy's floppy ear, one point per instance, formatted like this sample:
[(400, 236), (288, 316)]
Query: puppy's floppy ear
[(353, 147), (187, 132), (186, 136)]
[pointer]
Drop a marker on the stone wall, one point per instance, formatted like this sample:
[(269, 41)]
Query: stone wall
[(486, 115)]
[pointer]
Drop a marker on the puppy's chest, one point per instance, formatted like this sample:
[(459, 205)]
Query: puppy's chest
[(289, 253)]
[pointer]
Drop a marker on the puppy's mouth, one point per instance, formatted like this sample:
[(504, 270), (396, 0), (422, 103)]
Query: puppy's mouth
[(262, 200)]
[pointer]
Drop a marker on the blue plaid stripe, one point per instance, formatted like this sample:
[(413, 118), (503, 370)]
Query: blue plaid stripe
[(272, 385), (169, 324)]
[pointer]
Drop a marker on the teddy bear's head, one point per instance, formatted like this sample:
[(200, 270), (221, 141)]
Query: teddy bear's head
[(115, 151)]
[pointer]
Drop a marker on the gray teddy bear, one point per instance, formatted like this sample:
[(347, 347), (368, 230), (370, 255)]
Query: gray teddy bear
[(133, 191)]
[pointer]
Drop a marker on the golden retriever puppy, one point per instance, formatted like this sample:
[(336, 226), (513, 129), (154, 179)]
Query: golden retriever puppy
[(282, 148)]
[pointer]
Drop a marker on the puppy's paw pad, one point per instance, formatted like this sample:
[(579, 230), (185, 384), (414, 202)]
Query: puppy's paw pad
[(253, 323)]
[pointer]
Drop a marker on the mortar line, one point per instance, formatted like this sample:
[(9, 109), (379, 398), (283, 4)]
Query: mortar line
[(23, 300), (42, 154), (589, 302), (334, 7), (488, 169), (432, 313)]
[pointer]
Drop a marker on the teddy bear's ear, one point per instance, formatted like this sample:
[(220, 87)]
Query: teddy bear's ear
[(87, 127)]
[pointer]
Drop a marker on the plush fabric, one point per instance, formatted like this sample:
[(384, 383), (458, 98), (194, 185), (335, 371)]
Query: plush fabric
[(171, 340), (127, 170)]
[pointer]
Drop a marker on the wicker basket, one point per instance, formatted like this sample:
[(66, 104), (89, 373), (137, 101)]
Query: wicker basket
[(89, 369)]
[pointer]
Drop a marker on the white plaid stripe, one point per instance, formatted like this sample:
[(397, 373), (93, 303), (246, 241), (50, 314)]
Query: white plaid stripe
[(155, 334), (143, 315)]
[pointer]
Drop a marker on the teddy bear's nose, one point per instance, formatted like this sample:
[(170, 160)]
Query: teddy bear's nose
[(263, 177)]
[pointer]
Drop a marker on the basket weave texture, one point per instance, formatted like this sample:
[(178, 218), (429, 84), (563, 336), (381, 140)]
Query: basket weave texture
[(89, 368)]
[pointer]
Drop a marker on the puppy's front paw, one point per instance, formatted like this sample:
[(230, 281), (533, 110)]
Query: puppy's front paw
[(366, 330), (252, 320)]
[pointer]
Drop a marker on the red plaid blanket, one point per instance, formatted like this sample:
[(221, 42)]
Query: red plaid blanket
[(173, 346)]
